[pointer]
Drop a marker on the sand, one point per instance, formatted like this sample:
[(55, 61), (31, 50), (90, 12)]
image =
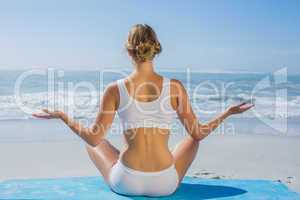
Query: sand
[(63, 155)]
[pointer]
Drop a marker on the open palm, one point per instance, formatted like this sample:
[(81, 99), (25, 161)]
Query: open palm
[(48, 114), (240, 108)]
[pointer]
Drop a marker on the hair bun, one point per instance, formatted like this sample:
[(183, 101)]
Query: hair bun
[(145, 51), (142, 43)]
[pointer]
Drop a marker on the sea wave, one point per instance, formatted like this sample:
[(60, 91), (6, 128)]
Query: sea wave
[(82, 104)]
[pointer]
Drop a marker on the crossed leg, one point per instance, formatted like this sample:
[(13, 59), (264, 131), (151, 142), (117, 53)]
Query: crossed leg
[(104, 156), (184, 154)]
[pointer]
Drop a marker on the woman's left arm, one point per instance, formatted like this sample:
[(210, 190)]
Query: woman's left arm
[(92, 135)]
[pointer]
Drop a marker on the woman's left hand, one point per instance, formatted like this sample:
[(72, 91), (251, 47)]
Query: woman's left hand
[(48, 114), (240, 108)]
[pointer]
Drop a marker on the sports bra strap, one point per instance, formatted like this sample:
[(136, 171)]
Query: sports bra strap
[(165, 91), (122, 87), (157, 113)]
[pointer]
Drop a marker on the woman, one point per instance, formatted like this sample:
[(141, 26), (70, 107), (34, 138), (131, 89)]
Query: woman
[(146, 103)]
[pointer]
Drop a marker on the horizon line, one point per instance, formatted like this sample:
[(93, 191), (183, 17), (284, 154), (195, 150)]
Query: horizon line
[(165, 69)]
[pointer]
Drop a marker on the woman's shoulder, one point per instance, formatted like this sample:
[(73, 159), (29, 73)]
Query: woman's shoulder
[(177, 87), (176, 83), (112, 89)]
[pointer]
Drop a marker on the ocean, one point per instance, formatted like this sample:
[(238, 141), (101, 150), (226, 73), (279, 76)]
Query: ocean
[(276, 96)]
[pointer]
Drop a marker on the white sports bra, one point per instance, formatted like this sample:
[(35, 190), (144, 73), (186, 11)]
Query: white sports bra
[(154, 114)]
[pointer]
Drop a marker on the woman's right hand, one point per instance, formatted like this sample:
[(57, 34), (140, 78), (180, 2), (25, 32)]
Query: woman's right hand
[(48, 114)]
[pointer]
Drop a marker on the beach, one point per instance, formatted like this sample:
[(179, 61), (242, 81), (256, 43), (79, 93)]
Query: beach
[(49, 149), (260, 144), (230, 67)]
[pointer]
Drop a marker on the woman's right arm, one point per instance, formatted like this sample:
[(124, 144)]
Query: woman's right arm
[(96, 132), (190, 121)]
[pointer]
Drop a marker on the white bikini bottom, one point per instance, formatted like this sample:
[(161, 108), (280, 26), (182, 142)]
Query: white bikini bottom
[(127, 181)]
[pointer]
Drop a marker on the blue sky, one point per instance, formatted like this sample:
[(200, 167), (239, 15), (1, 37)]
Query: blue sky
[(212, 35)]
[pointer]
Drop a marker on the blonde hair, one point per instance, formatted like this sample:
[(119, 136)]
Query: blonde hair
[(142, 43)]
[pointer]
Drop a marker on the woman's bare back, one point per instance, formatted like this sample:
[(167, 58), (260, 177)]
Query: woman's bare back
[(147, 148)]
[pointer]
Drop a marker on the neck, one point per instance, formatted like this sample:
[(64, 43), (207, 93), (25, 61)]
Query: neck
[(144, 68)]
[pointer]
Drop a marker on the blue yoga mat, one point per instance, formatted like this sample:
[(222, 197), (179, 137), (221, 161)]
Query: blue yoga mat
[(90, 188)]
